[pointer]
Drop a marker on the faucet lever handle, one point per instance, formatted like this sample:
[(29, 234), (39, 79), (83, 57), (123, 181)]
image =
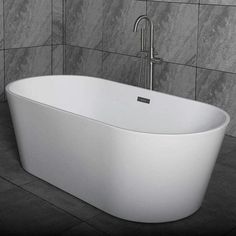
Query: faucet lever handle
[(156, 59)]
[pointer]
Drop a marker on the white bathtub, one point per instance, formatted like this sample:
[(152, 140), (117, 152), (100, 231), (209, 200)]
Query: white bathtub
[(147, 161)]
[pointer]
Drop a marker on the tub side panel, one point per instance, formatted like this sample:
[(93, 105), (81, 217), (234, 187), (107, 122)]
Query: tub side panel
[(164, 178)]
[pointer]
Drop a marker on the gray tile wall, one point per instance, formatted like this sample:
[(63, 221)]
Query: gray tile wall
[(31, 39), (196, 39)]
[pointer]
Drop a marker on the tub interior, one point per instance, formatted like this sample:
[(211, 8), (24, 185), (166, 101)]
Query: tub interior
[(116, 104)]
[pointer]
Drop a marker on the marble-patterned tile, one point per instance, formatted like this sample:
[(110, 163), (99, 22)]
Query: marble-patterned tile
[(27, 62), (217, 33), (175, 31), (1, 24), (119, 19), (121, 68), (57, 59), (57, 22), (1, 76), (27, 23), (82, 61), (219, 2), (219, 89), (178, 80), (84, 23)]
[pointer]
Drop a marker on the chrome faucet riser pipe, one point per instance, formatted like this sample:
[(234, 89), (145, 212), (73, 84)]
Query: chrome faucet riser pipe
[(151, 50)]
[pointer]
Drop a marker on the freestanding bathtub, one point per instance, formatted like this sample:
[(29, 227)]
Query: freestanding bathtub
[(136, 154)]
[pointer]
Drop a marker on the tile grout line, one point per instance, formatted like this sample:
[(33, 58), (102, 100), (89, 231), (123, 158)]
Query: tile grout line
[(25, 190), (86, 222), (103, 29), (4, 52), (217, 5), (190, 3), (38, 179), (52, 29), (159, 1), (64, 35), (31, 46), (99, 230), (197, 49), (146, 7)]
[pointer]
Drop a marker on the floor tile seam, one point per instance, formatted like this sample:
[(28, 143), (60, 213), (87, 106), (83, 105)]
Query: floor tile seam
[(44, 200)]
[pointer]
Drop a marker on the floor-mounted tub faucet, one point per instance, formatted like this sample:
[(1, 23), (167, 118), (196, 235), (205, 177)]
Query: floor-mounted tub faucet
[(151, 50)]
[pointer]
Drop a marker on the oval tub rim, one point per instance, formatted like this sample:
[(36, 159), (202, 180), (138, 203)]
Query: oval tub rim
[(224, 124)]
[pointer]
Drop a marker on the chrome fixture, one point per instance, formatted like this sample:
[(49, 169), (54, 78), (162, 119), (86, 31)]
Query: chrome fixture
[(152, 56)]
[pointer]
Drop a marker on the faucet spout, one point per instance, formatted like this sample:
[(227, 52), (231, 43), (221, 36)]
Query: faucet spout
[(136, 25)]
